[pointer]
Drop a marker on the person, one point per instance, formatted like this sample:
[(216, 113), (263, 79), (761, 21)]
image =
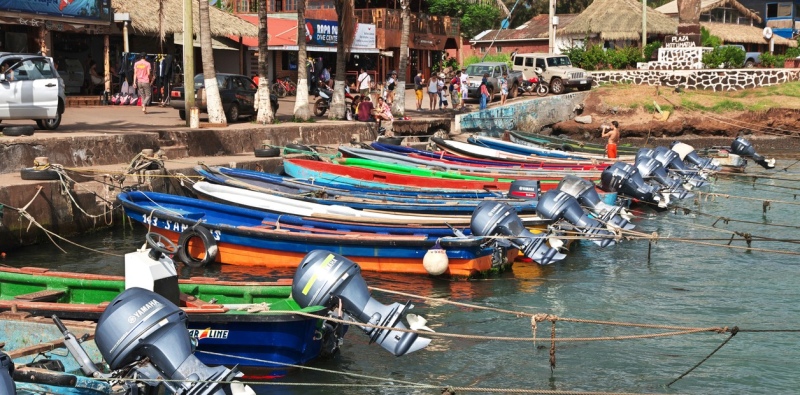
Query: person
[(440, 90), (464, 83), (94, 77), (255, 78), (433, 92), (310, 74), (455, 89), (503, 88), (142, 78), (383, 112), (354, 107), (418, 81), (391, 83), (365, 109), (325, 77), (612, 132), (364, 82), (484, 94)]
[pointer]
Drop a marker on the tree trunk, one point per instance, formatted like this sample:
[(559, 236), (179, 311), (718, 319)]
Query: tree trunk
[(301, 112), (216, 114), (399, 105), (346, 19), (264, 115)]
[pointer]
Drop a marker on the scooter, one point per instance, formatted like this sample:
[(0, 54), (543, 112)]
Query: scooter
[(325, 95), (534, 85)]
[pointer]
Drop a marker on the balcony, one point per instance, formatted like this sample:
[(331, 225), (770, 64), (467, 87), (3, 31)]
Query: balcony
[(389, 19)]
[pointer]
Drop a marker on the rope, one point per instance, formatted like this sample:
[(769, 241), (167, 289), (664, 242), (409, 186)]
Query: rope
[(734, 331)]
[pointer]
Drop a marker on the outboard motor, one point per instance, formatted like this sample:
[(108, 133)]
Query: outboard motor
[(6, 375), (142, 329), (742, 147), (556, 204), (687, 153), (672, 161), (499, 219), (329, 279), (625, 179), (586, 193), (525, 189), (649, 168)]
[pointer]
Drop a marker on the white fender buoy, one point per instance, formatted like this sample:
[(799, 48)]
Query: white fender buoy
[(435, 260)]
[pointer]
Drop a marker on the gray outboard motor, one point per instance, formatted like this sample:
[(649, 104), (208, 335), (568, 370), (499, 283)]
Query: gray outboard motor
[(673, 162), (689, 155), (649, 168), (327, 279), (586, 193), (6, 373), (525, 189), (141, 324), (742, 147), (500, 219), (557, 204), (625, 179)]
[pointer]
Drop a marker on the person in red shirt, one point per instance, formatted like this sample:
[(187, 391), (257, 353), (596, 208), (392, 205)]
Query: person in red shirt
[(142, 78), (365, 109)]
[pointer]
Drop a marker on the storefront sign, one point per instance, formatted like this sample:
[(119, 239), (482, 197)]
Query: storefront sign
[(682, 41), (90, 9), (365, 36), (321, 33)]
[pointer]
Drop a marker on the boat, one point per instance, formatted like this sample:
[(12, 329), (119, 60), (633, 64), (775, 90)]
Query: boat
[(534, 150), (565, 144), (482, 152), (241, 236)]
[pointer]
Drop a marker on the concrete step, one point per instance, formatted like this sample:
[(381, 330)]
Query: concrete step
[(175, 151), (83, 101)]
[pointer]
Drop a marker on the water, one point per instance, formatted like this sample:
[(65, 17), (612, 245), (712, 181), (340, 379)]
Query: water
[(682, 284)]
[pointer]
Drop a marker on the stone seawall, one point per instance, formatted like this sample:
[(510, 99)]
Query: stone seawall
[(527, 116), (714, 80)]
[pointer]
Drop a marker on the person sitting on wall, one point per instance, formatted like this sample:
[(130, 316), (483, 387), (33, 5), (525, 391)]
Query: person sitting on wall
[(383, 112), (365, 109)]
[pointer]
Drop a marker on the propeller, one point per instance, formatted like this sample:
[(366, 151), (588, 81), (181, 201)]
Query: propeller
[(417, 323)]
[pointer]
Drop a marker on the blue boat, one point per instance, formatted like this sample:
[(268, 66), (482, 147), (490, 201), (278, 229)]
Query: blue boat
[(525, 149)]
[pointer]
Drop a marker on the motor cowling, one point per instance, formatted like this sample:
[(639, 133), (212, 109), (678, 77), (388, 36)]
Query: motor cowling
[(556, 204), (327, 279), (586, 193), (625, 179), (141, 324), (673, 162), (651, 169), (6, 375), (525, 189), (688, 154), (742, 147), (499, 219)]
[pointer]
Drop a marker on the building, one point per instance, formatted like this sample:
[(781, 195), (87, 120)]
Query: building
[(531, 36), (618, 23)]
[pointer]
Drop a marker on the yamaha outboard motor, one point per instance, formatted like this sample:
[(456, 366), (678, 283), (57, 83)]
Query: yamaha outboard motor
[(329, 279), (649, 168), (742, 147), (672, 161), (142, 329), (556, 204), (6, 373), (525, 189), (625, 179), (687, 153), (499, 219), (586, 193)]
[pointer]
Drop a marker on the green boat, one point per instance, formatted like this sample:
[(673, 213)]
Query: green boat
[(565, 144)]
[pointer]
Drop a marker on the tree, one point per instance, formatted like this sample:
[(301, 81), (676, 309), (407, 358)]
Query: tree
[(301, 111), (346, 18), (216, 114), (479, 17), (399, 105), (264, 115)]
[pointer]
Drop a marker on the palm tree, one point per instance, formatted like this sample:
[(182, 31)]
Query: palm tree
[(347, 25), (399, 105), (264, 107), (216, 114), (301, 112)]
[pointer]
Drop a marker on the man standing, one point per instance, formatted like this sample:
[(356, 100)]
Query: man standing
[(325, 77), (464, 87), (364, 82), (142, 77), (418, 80), (613, 139)]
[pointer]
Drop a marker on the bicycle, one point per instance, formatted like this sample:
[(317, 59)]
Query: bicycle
[(284, 86)]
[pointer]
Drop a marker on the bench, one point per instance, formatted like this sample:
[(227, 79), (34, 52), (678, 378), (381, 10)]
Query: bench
[(48, 295)]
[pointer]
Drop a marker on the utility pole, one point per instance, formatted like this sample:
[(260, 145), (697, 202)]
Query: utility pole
[(188, 59), (551, 32), (644, 26)]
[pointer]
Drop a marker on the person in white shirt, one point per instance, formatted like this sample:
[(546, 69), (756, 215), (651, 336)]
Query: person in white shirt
[(464, 87), (364, 82)]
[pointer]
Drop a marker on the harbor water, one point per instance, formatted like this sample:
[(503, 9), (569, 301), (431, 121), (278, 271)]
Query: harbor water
[(675, 282)]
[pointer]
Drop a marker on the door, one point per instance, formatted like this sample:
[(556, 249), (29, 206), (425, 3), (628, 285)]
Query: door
[(248, 92), (44, 84)]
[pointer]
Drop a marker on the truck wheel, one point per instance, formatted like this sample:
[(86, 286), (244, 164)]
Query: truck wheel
[(182, 114), (514, 90), (750, 63), (557, 86)]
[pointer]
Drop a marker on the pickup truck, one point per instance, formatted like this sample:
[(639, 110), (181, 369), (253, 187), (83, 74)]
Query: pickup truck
[(750, 58), (495, 70), (557, 71)]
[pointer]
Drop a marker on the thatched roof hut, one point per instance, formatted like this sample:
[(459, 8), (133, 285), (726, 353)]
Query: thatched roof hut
[(144, 18), (671, 8), (743, 34), (619, 20)]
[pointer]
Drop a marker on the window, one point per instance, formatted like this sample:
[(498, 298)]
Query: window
[(779, 10), (483, 49), (499, 49), (528, 62), (518, 60), (289, 60), (540, 63)]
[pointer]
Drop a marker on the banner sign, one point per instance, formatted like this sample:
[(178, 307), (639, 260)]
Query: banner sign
[(89, 9), (682, 41), (365, 36), (321, 33)]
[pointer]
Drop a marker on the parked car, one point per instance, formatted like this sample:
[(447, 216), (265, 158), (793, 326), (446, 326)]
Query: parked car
[(236, 91), (750, 58), (30, 88), (495, 70), (557, 71)]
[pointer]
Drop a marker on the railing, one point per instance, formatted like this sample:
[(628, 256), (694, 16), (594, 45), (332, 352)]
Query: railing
[(390, 19)]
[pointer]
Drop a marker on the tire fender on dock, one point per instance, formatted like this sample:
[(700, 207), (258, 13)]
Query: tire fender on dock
[(209, 245)]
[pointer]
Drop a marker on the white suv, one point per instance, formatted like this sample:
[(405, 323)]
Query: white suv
[(30, 88)]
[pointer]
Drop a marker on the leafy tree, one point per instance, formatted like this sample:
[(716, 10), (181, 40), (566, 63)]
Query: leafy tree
[(709, 40), (477, 18)]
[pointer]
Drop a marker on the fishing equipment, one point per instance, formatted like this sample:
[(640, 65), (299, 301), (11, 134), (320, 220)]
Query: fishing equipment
[(435, 260)]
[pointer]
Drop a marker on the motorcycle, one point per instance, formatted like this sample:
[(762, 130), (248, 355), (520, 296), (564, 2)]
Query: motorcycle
[(534, 84), (325, 95)]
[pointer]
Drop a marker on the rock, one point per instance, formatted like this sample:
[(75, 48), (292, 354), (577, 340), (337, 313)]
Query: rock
[(584, 119), (587, 135), (546, 131)]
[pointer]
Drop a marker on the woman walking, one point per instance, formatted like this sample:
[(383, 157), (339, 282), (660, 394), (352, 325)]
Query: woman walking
[(433, 92)]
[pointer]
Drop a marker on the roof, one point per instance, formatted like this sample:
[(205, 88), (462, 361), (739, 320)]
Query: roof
[(619, 20), (144, 18), (279, 30), (534, 29), (671, 8), (741, 34)]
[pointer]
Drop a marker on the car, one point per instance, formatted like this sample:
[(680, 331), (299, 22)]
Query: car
[(31, 88), (236, 91), (557, 71), (495, 70)]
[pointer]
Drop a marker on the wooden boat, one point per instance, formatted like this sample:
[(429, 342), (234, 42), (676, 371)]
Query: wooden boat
[(565, 144), (481, 152), (248, 323), (255, 238), (531, 149)]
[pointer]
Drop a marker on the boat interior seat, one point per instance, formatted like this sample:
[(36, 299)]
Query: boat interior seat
[(47, 295)]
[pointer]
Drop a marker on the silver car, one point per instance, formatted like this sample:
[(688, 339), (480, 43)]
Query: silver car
[(30, 88)]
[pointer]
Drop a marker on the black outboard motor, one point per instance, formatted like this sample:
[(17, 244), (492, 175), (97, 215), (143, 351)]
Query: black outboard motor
[(649, 168), (6, 375), (673, 162), (586, 193), (525, 189), (625, 179), (742, 147), (556, 204), (689, 155), (499, 219), (328, 279), (141, 324)]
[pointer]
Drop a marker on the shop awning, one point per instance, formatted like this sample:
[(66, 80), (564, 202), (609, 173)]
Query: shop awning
[(279, 32), (314, 48), (216, 42)]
